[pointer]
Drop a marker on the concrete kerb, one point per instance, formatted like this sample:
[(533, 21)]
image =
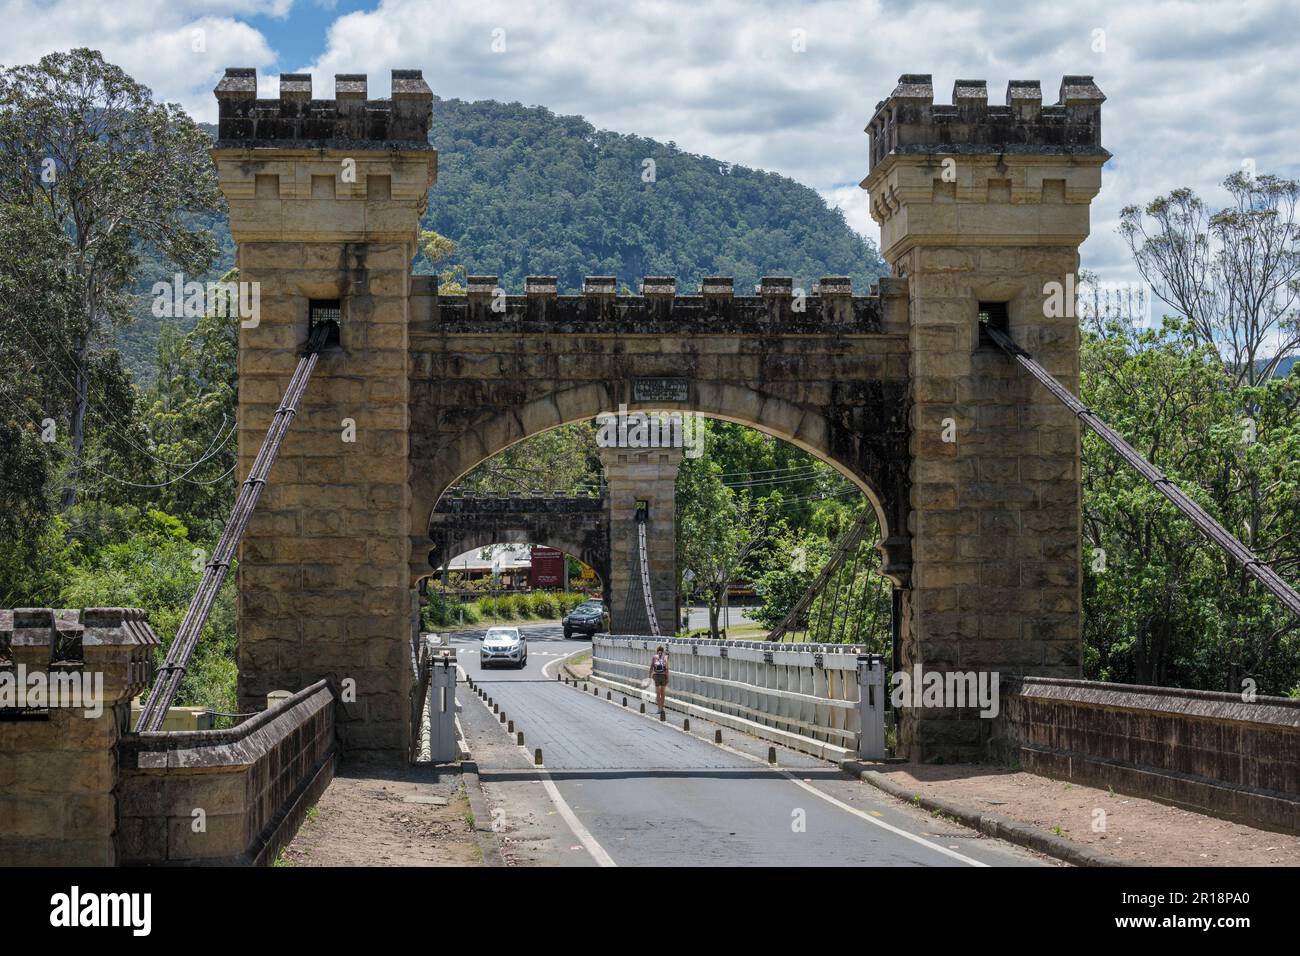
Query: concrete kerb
[(793, 741), (488, 843), (989, 824)]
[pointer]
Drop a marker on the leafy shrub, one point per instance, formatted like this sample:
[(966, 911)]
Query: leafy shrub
[(543, 604)]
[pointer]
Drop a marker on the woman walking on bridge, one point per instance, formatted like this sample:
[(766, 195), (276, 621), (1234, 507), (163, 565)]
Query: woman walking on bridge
[(659, 674)]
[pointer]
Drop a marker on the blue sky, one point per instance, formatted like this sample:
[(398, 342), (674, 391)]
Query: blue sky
[(298, 36), (1197, 89)]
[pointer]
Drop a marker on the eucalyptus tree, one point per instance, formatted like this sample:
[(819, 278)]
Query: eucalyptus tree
[(86, 149), (1234, 274)]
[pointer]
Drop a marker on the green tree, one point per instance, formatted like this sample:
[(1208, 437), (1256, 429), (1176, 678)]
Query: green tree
[(85, 147), (155, 564), (1162, 606), (560, 459), (189, 413), (437, 249), (717, 529), (522, 191)]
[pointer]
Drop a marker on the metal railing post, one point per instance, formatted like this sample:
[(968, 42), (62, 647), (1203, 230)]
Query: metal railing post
[(871, 706)]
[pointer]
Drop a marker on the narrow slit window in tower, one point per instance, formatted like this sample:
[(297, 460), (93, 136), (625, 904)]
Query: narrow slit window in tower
[(326, 312), (994, 314)]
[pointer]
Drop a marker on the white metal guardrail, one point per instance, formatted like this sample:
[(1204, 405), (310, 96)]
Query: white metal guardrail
[(823, 693), (437, 699)]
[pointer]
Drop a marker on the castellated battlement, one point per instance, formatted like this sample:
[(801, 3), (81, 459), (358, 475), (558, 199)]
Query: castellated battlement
[(117, 641), (829, 307), (909, 121), (296, 119)]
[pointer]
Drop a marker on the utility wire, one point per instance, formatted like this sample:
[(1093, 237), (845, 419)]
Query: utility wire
[(82, 463), (104, 416)]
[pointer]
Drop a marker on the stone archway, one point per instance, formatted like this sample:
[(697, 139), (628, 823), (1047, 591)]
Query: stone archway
[(578, 525), (976, 476), (878, 471), (647, 474)]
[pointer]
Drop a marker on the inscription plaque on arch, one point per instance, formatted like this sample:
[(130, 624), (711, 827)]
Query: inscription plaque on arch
[(661, 389)]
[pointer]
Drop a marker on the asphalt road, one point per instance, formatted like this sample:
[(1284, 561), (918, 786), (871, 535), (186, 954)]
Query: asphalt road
[(699, 617), (619, 788)]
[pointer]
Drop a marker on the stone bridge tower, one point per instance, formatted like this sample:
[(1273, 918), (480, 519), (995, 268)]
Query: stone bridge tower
[(325, 202), (972, 469), (982, 209), (642, 480)]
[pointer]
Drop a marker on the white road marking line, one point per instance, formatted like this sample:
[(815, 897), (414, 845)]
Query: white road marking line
[(827, 797), (560, 660), (589, 842), (880, 823), (581, 832)]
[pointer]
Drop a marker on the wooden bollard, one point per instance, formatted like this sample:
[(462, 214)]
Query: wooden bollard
[(503, 716), (537, 756), (771, 756), (609, 695), (510, 727), (686, 723), (624, 701), (717, 736), (643, 707), (519, 738)]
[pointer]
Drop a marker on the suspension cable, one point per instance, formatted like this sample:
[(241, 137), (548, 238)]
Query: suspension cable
[(1211, 529), (646, 592), (187, 636), (848, 543)]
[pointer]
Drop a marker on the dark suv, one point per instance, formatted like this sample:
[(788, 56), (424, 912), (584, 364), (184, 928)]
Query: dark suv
[(589, 617)]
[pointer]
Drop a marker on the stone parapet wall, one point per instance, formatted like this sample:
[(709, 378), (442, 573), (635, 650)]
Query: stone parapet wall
[(248, 785), (59, 780), (830, 307), (909, 120), (1210, 752)]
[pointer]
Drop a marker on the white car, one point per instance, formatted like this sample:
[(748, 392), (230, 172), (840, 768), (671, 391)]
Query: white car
[(503, 645)]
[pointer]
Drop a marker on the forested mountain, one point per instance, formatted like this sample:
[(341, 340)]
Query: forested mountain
[(522, 191)]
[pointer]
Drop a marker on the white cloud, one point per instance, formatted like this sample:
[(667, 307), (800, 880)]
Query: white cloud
[(178, 48), (1193, 86)]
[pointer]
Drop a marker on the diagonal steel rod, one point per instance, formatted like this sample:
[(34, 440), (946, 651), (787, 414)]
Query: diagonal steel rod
[(191, 627), (1215, 532), (849, 540)]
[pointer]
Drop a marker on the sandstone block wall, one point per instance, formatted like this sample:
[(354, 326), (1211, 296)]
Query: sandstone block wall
[(325, 201), (831, 378), (1210, 752), (60, 786), (226, 796), (649, 475)]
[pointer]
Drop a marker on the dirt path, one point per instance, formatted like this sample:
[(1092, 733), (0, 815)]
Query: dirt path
[(370, 816), (1138, 831)]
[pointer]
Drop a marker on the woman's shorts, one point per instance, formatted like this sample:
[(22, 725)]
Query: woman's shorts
[(661, 680)]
